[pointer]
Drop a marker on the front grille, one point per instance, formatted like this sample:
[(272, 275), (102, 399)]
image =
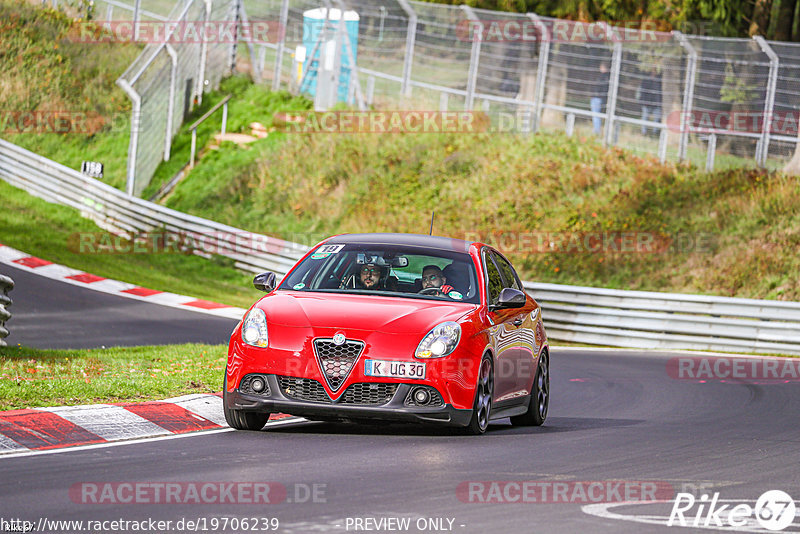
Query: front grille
[(436, 397), (364, 394), (336, 361), (303, 389), (245, 385)]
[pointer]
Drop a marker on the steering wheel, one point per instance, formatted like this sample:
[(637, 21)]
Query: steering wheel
[(431, 291)]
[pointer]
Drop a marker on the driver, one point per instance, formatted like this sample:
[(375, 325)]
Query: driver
[(369, 277), (433, 277)]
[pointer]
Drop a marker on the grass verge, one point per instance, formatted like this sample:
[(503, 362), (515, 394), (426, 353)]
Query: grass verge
[(46, 230), (31, 378)]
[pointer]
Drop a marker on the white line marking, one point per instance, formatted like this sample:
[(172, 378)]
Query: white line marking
[(281, 422)]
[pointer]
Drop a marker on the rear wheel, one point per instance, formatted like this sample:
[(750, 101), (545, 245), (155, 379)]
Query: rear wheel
[(239, 419), (482, 407), (540, 397)]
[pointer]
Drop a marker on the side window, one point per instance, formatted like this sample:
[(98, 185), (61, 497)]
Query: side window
[(495, 280), (509, 275)]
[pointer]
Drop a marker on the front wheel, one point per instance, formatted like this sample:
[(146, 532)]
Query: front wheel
[(540, 397), (482, 407), (239, 419)]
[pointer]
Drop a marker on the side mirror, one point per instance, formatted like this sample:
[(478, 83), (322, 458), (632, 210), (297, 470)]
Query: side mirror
[(265, 281), (510, 298)]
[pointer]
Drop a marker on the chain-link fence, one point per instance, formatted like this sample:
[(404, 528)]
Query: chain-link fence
[(712, 101), (188, 52)]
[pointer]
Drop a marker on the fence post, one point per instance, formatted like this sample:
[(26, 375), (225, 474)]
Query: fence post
[(134, 140), (276, 76), (411, 37), (662, 145), (109, 14), (688, 93), (769, 102), (237, 18), (443, 97), (137, 4), (370, 90), (474, 57), (201, 73), (173, 79), (711, 153), (541, 69), (569, 128), (613, 87)]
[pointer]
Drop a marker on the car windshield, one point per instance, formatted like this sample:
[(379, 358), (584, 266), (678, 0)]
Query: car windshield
[(390, 270)]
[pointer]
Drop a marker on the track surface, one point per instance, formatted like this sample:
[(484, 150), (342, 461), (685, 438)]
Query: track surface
[(614, 416), (49, 314)]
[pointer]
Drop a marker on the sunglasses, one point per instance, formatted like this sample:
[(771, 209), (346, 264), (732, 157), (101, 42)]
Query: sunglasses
[(430, 277), (370, 270)]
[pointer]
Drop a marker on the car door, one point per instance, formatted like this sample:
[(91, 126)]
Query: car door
[(505, 345), (520, 325)]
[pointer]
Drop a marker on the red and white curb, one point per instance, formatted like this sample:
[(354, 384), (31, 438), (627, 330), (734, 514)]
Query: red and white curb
[(41, 429), (26, 262)]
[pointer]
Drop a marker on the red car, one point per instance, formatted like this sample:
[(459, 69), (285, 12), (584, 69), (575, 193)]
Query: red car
[(391, 327)]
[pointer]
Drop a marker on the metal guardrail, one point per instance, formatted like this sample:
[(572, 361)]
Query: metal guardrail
[(120, 213), (6, 285), (650, 320), (635, 319)]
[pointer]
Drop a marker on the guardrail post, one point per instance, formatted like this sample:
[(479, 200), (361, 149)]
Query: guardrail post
[(443, 98), (688, 93), (613, 89), (570, 125), (711, 152), (541, 69), (411, 36), (276, 75), (769, 102), (224, 118), (474, 56), (194, 148)]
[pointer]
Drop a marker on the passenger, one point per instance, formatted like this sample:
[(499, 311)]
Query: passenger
[(432, 277)]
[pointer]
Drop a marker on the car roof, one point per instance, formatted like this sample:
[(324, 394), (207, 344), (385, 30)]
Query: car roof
[(415, 240)]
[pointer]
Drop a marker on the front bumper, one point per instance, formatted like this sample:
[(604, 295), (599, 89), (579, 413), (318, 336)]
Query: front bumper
[(394, 410)]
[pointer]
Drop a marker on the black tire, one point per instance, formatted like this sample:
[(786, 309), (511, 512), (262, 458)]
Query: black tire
[(540, 397), (482, 406), (238, 419)]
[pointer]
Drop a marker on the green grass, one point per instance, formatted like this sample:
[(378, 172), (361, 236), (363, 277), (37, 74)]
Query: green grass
[(52, 232), (45, 70), (509, 190), (32, 378)]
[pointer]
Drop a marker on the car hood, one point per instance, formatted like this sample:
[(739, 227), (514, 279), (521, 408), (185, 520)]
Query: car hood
[(392, 315)]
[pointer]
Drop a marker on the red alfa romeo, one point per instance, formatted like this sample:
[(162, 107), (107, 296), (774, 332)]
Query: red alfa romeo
[(391, 327)]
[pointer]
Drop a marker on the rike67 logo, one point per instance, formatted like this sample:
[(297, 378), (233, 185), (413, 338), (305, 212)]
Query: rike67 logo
[(774, 510)]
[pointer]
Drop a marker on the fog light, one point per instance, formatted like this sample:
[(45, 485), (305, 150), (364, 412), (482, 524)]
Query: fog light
[(421, 396), (258, 384)]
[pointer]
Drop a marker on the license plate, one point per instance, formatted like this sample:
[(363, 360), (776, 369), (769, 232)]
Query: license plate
[(390, 369)]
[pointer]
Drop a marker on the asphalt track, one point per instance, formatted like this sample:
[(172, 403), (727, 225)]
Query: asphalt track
[(615, 417), (49, 314)]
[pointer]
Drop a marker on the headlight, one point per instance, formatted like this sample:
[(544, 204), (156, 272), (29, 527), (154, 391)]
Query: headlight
[(254, 328), (440, 341)]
